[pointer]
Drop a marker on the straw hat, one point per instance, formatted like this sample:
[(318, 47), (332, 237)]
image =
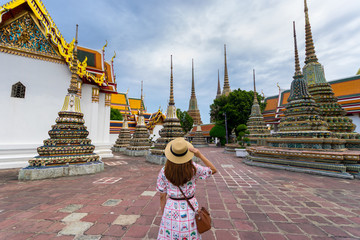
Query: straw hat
[(177, 151)]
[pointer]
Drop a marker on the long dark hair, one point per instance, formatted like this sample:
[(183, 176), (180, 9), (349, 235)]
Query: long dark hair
[(179, 174)]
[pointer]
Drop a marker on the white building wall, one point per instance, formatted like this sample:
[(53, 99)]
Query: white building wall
[(102, 144), (25, 122)]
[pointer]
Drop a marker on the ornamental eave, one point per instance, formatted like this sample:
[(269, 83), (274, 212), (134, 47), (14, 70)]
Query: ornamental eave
[(52, 33)]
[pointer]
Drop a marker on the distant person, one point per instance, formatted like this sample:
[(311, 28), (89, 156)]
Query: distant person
[(178, 220)]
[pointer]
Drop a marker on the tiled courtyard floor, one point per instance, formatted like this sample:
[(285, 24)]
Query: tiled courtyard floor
[(245, 202)]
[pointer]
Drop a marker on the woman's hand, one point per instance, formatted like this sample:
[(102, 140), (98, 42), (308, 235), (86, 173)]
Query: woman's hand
[(196, 151), (198, 154)]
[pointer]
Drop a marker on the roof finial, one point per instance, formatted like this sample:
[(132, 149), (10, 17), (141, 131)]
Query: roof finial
[(106, 43), (310, 55), (112, 59), (171, 101), (297, 63)]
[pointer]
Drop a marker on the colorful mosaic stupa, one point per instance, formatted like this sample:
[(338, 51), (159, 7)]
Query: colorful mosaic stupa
[(303, 143), (193, 107), (140, 143), (124, 137), (323, 94), (256, 125), (68, 143), (172, 128), (199, 140)]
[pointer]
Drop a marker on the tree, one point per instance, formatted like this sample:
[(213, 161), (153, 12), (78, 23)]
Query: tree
[(241, 132), (186, 121), (115, 114), (219, 132), (237, 106)]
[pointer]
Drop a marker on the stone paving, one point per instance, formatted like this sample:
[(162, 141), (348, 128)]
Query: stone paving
[(245, 202)]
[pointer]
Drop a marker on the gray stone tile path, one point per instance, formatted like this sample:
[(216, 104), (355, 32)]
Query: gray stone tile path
[(245, 202)]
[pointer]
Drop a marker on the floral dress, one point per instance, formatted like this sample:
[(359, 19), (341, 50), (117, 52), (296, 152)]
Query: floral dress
[(178, 220)]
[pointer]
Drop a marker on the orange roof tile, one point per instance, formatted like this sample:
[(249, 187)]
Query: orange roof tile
[(271, 103), (343, 88)]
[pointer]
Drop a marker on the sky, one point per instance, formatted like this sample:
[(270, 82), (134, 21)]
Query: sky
[(258, 35)]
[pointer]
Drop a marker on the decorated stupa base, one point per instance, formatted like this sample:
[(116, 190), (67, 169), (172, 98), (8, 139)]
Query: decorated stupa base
[(140, 143), (122, 141), (230, 147), (124, 137), (53, 171), (343, 164), (68, 146), (199, 140)]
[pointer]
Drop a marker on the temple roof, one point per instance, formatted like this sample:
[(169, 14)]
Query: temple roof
[(127, 105), (156, 118), (205, 128), (97, 72)]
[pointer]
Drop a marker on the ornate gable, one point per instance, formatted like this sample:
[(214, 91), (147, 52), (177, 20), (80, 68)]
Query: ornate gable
[(24, 36)]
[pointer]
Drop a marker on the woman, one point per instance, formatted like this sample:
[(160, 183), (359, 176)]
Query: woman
[(178, 220)]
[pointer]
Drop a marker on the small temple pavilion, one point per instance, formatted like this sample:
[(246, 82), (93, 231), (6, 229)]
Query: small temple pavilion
[(171, 130), (193, 107)]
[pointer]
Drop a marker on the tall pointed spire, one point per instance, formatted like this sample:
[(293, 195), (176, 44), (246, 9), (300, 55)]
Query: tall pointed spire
[(74, 67), (309, 44), (193, 107), (298, 89), (171, 101), (226, 89), (142, 100), (218, 94), (297, 63), (322, 91), (192, 84), (255, 95)]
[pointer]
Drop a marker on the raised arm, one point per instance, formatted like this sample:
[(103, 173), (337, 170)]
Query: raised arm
[(206, 161)]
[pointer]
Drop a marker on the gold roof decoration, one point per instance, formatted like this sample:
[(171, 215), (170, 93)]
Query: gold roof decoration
[(66, 50)]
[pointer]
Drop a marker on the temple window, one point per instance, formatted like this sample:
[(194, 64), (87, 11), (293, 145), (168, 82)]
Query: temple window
[(18, 90)]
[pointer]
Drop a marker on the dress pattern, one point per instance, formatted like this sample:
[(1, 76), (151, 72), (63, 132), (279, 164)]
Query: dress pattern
[(178, 220)]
